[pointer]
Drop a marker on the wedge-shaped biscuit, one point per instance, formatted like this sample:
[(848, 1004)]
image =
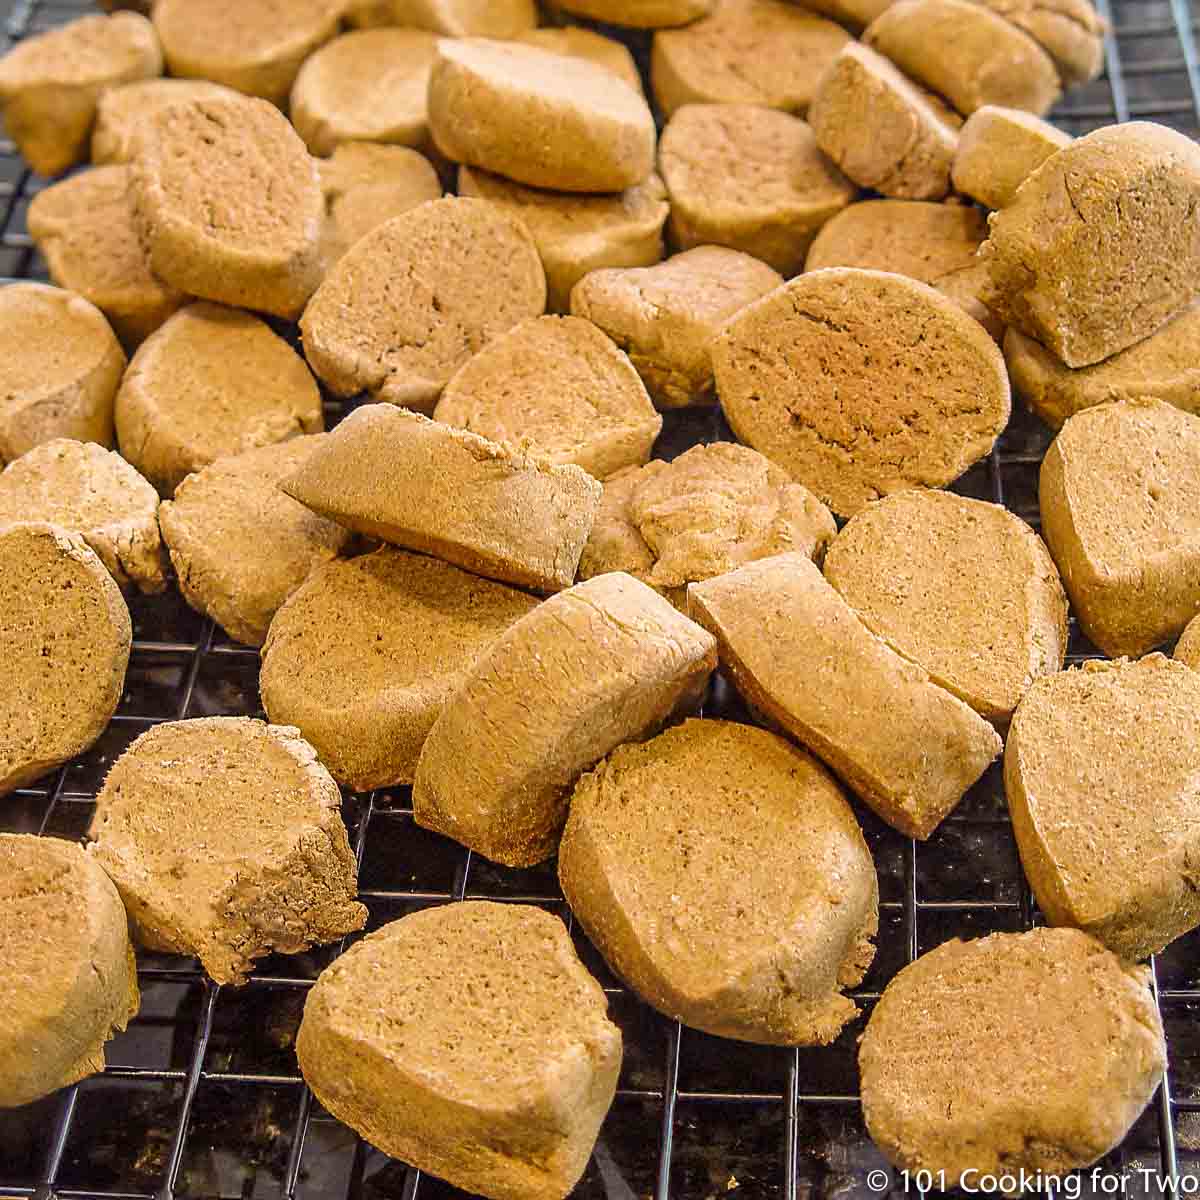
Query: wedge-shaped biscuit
[(467, 18), (211, 382), (494, 510), (881, 129), (639, 14), (1020, 1052), (720, 871), (760, 52), (422, 624), (83, 488), (749, 178), (1070, 31), (50, 83), (559, 387), (604, 663), (1187, 649), (1119, 494), (122, 112), (796, 650), (64, 641), (577, 42), (469, 1041), (210, 226), (1099, 773), (225, 839), (998, 149), (1100, 247), (240, 546), (60, 367), (537, 117), (576, 234), (67, 978), (799, 376), (962, 588), (417, 296)]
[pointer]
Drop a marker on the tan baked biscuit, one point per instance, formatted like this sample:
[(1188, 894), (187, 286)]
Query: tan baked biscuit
[(796, 650), (83, 488), (469, 1041), (1100, 246), (576, 42), (1100, 776), (224, 836), (751, 179), (1187, 649), (853, 14), (64, 641), (467, 18), (422, 624), (998, 149), (1120, 499), (50, 83), (967, 286), (240, 546), (575, 234), (67, 981), (862, 383), (638, 14), (398, 476), (963, 588), (720, 871), (60, 366), (606, 662), (121, 112), (367, 14), (1070, 31)]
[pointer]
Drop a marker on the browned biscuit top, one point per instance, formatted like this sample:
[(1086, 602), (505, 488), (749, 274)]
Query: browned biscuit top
[(91, 50)]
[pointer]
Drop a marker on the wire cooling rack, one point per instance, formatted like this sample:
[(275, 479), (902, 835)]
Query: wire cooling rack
[(202, 1096)]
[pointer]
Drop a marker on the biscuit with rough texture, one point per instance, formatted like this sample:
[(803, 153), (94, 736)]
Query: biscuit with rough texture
[(998, 149), (963, 588), (240, 546), (1100, 776), (720, 872), (467, 18), (853, 14), (67, 981), (64, 641), (799, 654), (576, 42), (224, 837), (83, 488), (211, 382), (1187, 649), (1017, 1053), (121, 112), (967, 286), (799, 376), (639, 14), (469, 1041), (1070, 31), (418, 296), (558, 387), (1120, 500), (423, 624)]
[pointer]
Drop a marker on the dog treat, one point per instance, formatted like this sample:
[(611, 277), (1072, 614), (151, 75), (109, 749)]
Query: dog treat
[(577, 234), (993, 62), (253, 48), (1100, 774), (608, 661), (751, 179), (1017, 1053), (469, 1041), (1120, 499), (800, 379), (762, 52), (224, 836), (467, 18), (50, 83), (122, 112), (365, 86), (665, 317), (423, 623), (83, 488), (962, 588), (64, 641), (558, 387), (1187, 649), (639, 14), (418, 296), (853, 14), (797, 652), (709, 511), (211, 382), (1100, 246), (239, 545), (577, 42), (87, 233), (60, 367), (67, 965), (720, 871), (395, 475), (998, 149), (1070, 31), (967, 286), (532, 116)]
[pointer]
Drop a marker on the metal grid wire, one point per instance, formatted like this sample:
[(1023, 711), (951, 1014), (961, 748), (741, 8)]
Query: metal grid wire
[(202, 1096)]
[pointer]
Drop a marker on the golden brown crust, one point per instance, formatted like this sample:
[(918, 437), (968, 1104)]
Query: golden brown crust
[(998, 149)]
